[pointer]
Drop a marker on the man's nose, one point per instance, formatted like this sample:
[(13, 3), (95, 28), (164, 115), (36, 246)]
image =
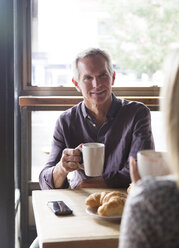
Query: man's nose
[(96, 82)]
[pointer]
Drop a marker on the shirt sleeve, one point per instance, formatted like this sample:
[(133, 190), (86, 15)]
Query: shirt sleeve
[(141, 139), (119, 179), (58, 144)]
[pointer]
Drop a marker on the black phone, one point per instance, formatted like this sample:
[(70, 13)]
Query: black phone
[(59, 208)]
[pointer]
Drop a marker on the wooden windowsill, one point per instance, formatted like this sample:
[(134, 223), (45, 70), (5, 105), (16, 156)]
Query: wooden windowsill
[(25, 101)]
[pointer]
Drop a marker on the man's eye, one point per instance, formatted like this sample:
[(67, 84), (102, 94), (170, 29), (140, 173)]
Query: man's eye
[(104, 75), (87, 78)]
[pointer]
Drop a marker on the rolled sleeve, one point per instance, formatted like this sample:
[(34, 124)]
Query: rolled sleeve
[(46, 179)]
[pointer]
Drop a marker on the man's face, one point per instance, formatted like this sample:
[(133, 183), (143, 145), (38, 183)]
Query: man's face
[(95, 81)]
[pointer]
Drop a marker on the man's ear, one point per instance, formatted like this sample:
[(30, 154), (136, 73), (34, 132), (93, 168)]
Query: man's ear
[(113, 77), (76, 84)]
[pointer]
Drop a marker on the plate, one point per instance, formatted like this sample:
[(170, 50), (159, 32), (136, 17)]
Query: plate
[(93, 212)]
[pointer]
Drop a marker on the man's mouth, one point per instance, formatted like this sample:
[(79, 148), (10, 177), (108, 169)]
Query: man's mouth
[(98, 92)]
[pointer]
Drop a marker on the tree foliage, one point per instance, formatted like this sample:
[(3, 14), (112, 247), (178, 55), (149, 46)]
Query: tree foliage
[(142, 32)]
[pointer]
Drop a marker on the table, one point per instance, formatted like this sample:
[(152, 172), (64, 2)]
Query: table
[(79, 230)]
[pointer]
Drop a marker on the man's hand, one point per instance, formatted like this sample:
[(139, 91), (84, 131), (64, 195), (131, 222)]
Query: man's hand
[(94, 182), (69, 162), (70, 159), (134, 174)]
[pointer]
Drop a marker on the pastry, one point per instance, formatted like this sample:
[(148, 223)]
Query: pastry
[(119, 194), (95, 199), (107, 203), (114, 206)]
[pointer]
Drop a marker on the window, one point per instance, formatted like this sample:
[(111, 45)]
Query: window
[(158, 131), (43, 123), (137, 34)]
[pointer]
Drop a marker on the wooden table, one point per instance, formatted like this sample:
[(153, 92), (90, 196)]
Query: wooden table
[(79, 230)]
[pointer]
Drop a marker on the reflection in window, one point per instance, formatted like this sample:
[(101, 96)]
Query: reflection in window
[(137, 34)]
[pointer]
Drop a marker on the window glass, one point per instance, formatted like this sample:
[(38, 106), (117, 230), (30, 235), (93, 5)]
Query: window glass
[(136, 33), (158, 131), (43, 124)]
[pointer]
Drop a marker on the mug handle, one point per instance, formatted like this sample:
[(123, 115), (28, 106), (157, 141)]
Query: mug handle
[(81, 166)]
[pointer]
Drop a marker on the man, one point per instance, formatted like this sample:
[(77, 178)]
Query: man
[(123, 126)]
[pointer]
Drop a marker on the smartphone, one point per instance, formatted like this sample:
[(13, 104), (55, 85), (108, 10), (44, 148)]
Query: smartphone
[(59, 208)]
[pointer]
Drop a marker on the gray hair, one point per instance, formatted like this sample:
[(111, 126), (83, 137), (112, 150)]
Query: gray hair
[(170, 109), (91, 52)]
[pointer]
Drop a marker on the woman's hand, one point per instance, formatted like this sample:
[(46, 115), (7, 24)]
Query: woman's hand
[(134, 174)]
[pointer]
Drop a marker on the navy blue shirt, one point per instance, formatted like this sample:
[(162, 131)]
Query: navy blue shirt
[(126, 131)]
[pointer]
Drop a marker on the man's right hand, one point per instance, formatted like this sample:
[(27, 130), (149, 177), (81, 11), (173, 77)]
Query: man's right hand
[(70, 159), (69, 162)]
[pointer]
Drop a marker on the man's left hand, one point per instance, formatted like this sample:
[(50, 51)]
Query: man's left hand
[(94, 182)]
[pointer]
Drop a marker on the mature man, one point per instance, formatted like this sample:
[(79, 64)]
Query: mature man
[(123, 126)]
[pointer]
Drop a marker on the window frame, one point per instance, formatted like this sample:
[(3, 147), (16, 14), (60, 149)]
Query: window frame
[(27, 90)]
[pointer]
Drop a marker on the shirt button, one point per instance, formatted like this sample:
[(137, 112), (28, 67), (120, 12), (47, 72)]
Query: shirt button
[(94, 125)]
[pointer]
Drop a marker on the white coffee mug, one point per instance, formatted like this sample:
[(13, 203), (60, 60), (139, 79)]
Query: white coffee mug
[(152, 163), (93, 158)]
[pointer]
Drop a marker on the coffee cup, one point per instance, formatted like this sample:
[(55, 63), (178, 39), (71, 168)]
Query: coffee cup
[(152, 163), (93, 158)]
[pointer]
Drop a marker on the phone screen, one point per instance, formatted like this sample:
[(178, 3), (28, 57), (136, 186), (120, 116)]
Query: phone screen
[(59, 208)]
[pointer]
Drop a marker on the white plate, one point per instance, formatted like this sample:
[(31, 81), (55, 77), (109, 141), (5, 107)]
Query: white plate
[(93, 212)]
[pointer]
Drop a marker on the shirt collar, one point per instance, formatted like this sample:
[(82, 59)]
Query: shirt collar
[(114, 107), (84, 110), (112, 111)]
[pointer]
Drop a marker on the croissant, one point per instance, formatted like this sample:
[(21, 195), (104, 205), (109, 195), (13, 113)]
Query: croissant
[(114, 206), (107, 203), (95, 199), (118, 194)]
